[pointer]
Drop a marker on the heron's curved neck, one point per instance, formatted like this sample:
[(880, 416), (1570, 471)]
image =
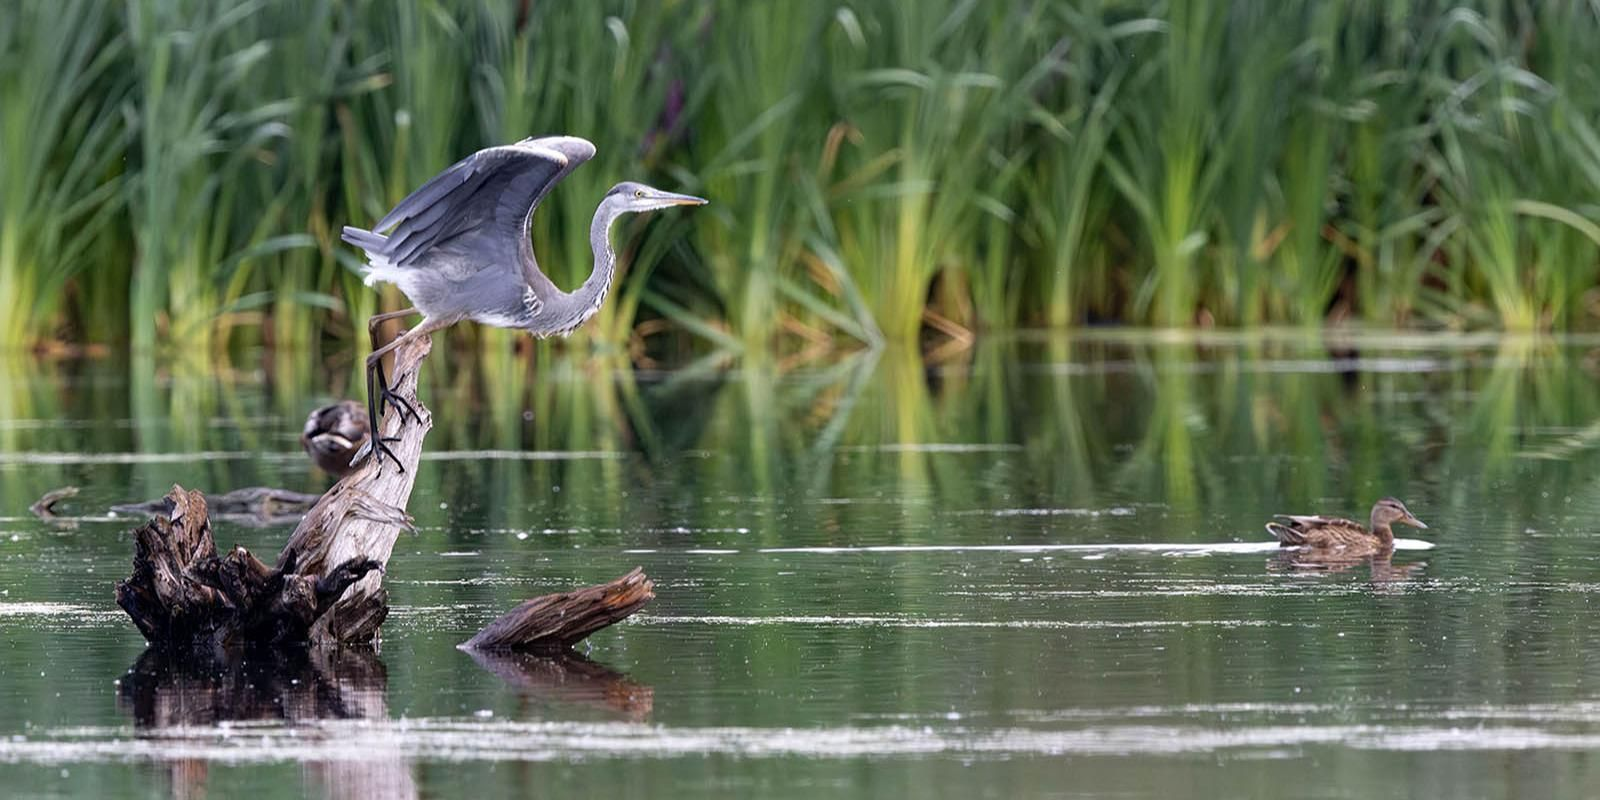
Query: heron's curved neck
[(593, 291)]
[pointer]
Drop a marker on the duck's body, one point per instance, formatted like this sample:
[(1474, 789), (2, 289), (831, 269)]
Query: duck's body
[(1346, 537)]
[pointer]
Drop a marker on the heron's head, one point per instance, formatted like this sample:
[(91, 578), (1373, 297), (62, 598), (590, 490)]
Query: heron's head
[(630, 196)]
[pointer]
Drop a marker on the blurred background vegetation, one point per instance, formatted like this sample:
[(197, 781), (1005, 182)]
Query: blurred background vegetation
[(173, 173)]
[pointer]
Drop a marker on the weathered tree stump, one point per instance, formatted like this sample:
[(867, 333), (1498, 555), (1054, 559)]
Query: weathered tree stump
[(363, 514), (327, 585), (184, 595)]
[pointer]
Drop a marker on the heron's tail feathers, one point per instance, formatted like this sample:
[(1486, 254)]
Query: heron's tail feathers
[(371, 242), (364, 239)]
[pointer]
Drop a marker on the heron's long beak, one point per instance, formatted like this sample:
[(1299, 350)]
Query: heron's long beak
[(672, 199), (1414, 522)]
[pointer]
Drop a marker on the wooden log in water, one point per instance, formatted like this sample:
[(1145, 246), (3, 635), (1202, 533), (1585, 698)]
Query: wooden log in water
[(254, 505), (183, 594), (327, 585), (555, 622), (364, 513)]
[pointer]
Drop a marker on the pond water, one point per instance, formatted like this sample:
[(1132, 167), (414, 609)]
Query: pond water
[(1037, 569)]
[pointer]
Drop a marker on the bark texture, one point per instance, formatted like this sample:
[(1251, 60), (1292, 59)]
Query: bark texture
[(553, 623), (327, 585)]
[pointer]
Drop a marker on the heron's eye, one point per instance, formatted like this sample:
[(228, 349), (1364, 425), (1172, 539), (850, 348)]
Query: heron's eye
[(638, 193)]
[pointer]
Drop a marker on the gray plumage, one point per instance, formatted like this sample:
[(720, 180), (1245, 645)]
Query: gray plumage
[(458, 248)]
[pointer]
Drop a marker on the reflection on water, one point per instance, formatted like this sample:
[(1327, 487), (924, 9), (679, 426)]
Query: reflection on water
[(172, 698), (1036, 571), (1381, 570), (571, 678), (163, 691)]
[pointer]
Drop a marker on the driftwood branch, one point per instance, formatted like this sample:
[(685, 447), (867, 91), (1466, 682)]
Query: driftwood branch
[(553, 623)]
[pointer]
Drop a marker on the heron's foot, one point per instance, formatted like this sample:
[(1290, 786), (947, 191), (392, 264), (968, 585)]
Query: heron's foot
[(362, 454), (382, 449), (379, 397), (389, 398), (392, 399)]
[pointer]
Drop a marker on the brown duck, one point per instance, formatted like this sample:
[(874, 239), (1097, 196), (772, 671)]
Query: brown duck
[(333, 434), (1344, 536)]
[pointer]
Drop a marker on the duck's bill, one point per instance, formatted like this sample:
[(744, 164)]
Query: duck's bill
[(671, 198), (1416, 523)]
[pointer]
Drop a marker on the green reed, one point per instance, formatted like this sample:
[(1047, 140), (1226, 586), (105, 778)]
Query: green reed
[(604, 71), (761, 78), (878, 169), (929, 103), (60, 146), (199, 130)]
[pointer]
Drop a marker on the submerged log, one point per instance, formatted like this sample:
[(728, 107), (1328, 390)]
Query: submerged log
[(254, 505), (553, 623), (45, 507)]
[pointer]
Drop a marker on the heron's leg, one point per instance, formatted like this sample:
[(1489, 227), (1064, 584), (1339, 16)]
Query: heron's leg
[(389, 398), (374, 438), (381, 392), (386, 397), (378, 319)]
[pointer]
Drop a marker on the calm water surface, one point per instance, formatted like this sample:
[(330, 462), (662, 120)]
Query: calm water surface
[(1032, 571)]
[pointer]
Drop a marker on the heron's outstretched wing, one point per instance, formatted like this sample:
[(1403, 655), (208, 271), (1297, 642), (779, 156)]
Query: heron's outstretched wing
[(481, 205)]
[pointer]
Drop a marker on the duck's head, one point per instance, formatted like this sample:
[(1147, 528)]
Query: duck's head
[(1388, 511), (332, 434)]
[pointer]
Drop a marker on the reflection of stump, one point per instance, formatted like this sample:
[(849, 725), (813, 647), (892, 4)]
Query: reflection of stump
[(166, 691), (569, 678)]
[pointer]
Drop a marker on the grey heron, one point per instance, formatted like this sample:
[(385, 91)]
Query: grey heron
[(458, 248)]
